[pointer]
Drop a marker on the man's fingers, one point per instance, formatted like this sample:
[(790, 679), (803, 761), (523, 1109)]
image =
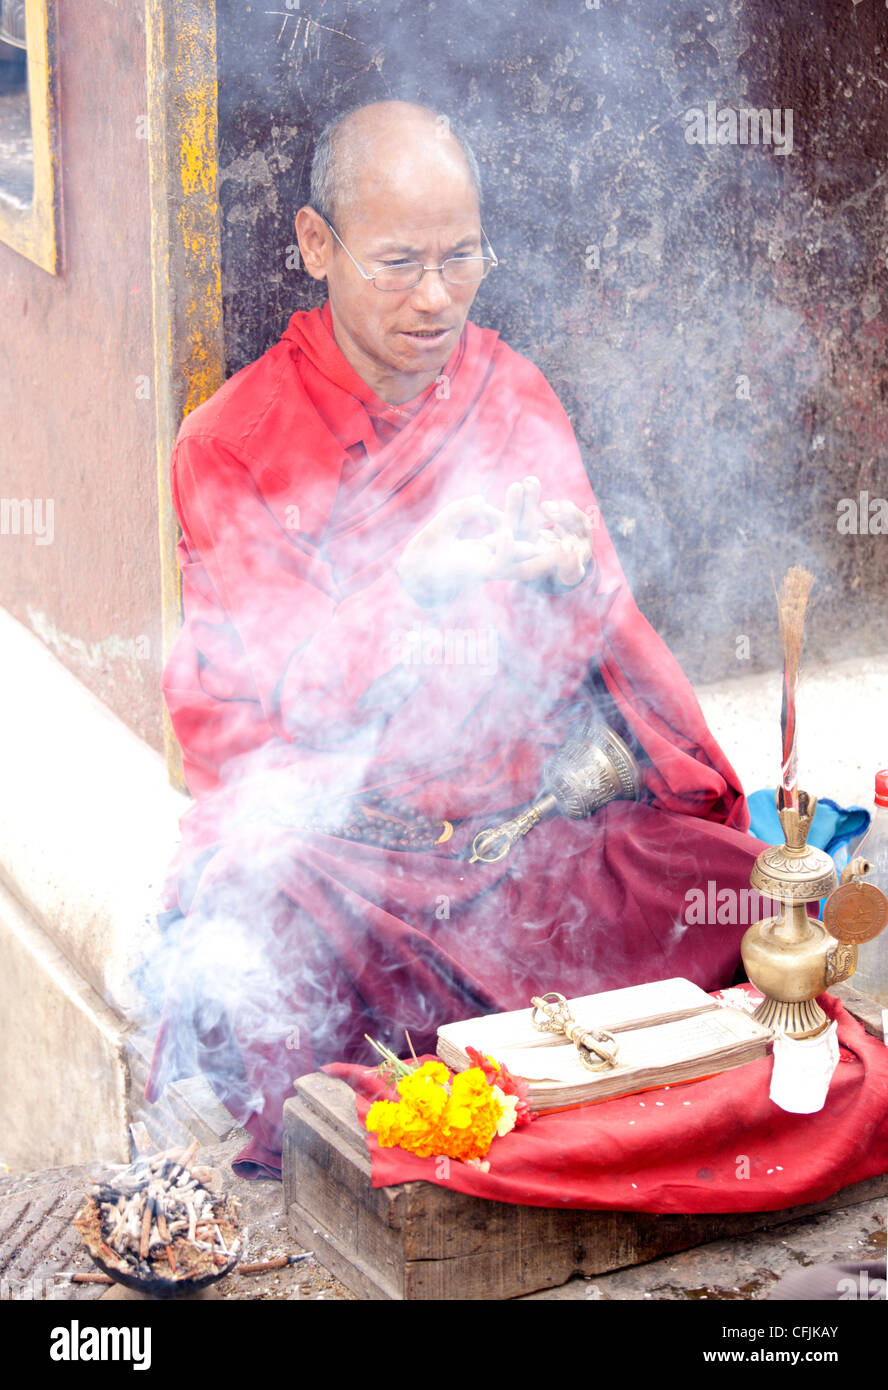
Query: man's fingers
[(504, 543), (565, 560), (531, 518), (572, 561), (517, 545), (569, 516), (504, 547), (514, 507), (452, 517), (536, 567)]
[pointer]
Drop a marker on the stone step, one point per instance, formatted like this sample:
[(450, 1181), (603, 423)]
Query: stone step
[(74, 1071), (188, 1109)]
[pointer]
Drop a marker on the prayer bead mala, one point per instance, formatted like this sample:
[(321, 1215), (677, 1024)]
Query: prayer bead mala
[(384, 821)]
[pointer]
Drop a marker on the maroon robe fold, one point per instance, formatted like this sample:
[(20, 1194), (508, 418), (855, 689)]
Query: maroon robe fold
[(306, 672)]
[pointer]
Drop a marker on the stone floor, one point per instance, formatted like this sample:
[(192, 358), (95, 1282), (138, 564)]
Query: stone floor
[(38, 1246), (745, 1267)]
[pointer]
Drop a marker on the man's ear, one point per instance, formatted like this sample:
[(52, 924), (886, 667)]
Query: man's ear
[(315, 242)]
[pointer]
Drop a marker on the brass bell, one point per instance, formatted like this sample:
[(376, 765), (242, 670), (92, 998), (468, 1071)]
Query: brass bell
[(593, 767)]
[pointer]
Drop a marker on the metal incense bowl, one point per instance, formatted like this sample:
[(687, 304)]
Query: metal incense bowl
[(792, 958), (593, 767)]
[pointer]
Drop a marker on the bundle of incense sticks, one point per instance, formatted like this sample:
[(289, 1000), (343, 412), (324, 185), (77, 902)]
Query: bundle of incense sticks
[(158, 1219), (792, 602)]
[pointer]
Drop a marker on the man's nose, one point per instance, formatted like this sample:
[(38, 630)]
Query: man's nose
[(432, 293)]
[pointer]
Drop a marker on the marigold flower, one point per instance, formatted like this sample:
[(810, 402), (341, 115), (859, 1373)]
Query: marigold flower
[(455, 1117), (499, 1075), (384, 1120), (509, 1117)]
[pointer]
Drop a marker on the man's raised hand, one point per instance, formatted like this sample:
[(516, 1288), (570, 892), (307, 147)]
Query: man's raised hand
[(560, 533), (439, 559), (528, 541)]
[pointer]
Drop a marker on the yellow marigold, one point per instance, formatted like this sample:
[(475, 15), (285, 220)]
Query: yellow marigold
[(470, 1121), (384, 1120), (473, 1141), (471, 1082), (421, 1139), (424, 1090), (394, 1123), (434, 1070), (428, 1120)]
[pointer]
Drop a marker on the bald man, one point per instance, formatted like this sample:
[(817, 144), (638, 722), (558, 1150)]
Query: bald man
[(400, 599)]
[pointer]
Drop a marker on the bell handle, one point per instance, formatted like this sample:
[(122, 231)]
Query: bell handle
[(506, 835)]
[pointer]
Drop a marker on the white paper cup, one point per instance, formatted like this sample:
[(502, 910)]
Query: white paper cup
[(802, 1071)]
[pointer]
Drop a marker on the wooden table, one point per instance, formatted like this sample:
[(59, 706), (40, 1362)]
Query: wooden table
[(421, 1241)]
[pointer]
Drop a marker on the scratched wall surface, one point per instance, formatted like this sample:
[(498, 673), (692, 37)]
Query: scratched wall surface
[(713, 316), (76, 384)]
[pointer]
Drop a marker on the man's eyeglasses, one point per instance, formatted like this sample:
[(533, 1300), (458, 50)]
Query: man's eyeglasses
[(405, 275)]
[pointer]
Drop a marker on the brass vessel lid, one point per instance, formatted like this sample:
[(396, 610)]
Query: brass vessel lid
[(795, 871)]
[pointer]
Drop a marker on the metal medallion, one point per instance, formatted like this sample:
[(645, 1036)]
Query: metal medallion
[(855, 912)]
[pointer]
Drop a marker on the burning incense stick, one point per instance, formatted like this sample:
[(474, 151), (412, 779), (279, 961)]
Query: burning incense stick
[(276, 1262), (792, 601)]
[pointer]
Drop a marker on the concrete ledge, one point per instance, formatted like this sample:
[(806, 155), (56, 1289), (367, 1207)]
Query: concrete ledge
[(62, 1078), (88, 825), (88, 820)]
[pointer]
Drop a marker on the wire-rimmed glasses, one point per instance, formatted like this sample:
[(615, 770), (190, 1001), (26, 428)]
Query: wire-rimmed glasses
[(406, 275)]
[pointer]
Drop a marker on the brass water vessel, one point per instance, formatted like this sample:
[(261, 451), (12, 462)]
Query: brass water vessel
[(792, 958)]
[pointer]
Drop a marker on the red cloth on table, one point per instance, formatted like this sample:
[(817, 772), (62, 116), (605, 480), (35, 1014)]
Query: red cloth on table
[(296, 489), (677, 1149)]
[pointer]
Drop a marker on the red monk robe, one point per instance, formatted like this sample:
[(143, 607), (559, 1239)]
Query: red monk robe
[(304, 670)]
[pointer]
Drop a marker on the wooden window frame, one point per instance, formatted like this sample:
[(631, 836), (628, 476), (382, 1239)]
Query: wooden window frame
[(33, 231)]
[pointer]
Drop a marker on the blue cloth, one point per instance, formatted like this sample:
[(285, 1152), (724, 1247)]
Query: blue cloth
[(833, 827)]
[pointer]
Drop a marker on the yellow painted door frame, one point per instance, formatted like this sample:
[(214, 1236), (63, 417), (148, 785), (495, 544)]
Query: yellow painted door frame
[(189, 361)]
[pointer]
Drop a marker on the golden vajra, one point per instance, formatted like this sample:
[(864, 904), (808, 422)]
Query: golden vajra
[(551, 1014)]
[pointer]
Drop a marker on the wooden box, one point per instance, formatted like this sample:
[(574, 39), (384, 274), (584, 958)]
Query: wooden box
[(422, 1241)]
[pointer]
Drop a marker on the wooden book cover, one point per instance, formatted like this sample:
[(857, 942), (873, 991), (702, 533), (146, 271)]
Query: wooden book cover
[(668, 1031)]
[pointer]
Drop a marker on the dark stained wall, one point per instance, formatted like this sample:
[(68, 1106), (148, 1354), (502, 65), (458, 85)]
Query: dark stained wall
[(713, 317), (76, 382)]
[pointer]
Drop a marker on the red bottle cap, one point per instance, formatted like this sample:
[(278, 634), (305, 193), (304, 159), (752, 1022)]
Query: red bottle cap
[(882, 788)]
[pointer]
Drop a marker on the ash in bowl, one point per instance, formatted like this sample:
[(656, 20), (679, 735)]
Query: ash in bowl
[(159, 1227)]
